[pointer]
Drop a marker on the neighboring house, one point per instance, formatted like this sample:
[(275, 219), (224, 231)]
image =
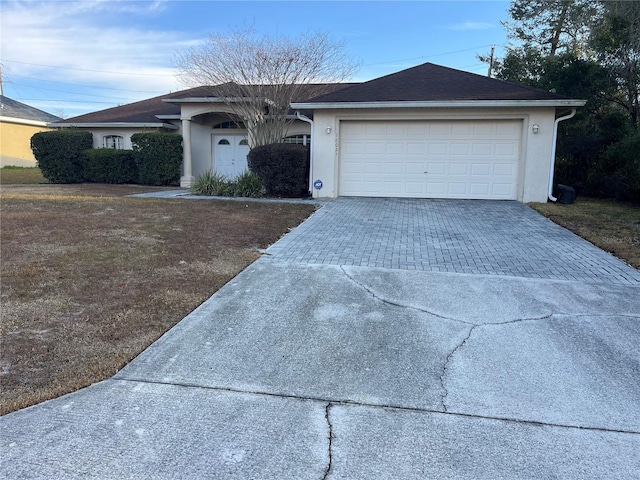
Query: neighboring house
[(425, 132), (18, 123)]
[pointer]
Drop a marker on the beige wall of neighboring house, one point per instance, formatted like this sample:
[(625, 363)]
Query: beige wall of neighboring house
[(15, 141)]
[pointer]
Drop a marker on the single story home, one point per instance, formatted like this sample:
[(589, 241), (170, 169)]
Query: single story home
[(18, 123), (424, 132)]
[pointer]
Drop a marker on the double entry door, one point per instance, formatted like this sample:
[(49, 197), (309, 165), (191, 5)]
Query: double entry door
[(230, 154)]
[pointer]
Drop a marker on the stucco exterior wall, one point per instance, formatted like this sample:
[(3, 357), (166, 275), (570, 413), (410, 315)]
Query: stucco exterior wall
[(15, 144), (535, 155), (201, 154)]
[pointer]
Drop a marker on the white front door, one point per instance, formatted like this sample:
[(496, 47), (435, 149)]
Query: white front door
[(230, 154)]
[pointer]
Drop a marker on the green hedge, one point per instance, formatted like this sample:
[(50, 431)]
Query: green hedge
[(107, 165), (158, 157), (282, 168), (59, 154)]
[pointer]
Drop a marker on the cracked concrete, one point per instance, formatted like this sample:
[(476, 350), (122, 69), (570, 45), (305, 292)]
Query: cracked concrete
[(446, 365), (330, 441), (349, 346), (295, 370)]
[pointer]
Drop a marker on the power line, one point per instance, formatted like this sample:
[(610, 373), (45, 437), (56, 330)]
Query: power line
[(66, 101), (64, 91), (428, 56), (84, 85), (88, 70)]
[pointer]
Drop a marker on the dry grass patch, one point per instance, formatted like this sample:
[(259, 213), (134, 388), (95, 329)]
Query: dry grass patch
[(612, 226), (24, 175), (90, 279)]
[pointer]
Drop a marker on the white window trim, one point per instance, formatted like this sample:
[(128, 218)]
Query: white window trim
[(117, 142)]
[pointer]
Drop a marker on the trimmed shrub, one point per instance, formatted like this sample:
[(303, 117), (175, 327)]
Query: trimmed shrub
[(282, 168), (158, 157), (108, 165), (59, 154)]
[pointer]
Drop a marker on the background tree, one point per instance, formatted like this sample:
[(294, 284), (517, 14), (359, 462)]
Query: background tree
[(551, 26), (616, 39), (258, 77), (588, 50)]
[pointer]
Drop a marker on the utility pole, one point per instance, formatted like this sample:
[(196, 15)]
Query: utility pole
[(493, 50), (1, 82)]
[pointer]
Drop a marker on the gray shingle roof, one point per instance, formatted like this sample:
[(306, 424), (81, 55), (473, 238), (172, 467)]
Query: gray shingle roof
[(144, 111), (432, 83), (426, 82), (14, 109)]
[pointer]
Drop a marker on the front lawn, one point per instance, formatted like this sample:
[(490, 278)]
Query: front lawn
[(21, 175), (612, 226), (90, 278)]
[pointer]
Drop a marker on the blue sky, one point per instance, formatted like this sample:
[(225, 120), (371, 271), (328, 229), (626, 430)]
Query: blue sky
[(73, 57)]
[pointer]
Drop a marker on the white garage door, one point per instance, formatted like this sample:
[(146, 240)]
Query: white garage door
[(430, 159)]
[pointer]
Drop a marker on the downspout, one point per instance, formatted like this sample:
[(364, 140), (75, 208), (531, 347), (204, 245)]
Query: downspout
[(553, 152), (304, 118)]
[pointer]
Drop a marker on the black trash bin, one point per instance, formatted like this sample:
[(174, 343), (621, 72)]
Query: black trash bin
[(566, 194)]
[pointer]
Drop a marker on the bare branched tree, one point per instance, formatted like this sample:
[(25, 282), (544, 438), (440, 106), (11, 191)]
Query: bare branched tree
[(258, 77)]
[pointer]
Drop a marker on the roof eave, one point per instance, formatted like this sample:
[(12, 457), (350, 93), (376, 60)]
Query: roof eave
[(113, 125), (213, 99), (24, 121), (440, 104)]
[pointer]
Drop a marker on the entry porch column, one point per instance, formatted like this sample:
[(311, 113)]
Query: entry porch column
[(187, 178)]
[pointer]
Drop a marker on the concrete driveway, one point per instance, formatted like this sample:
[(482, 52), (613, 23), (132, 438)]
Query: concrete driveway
[(380, 339)]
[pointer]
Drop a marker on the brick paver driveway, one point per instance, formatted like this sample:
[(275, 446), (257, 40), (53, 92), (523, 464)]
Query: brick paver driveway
[(461, 236)]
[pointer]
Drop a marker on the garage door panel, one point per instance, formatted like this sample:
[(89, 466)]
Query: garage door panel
[(416, 188), (505, 149), (375, 128), (458, 169), (375, 148), (436, 168), (436, 189), (415, 168), (353, 148), (480, 169), (458, 149), (438, 149), (503, 169), (481, 189), (395, 149), (415, 148), (394, 168), (482, 149), (459, 189), (501, 190), (438, 159), (462, 129), (436, 129)]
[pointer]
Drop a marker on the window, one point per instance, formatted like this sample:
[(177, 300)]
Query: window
[(244, 142), (297, 139), (230, 125), (224, 141), (113, 141)]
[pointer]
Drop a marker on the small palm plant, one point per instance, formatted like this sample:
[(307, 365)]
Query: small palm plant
[(210, 183), (247, 184)]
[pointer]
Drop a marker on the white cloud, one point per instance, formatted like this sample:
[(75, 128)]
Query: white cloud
[(88, 42), (472, 26)]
